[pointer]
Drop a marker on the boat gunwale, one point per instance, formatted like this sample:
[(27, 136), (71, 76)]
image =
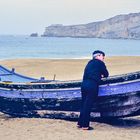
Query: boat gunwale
[(37, 81), (110, 84)]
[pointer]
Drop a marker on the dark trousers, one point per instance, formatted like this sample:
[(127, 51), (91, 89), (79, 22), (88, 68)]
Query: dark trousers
[(89, 92)]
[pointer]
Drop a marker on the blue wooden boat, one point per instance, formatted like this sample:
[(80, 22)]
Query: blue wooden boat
[(119, 96)]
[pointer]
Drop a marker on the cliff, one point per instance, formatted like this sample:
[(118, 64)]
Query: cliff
[(120, 26)]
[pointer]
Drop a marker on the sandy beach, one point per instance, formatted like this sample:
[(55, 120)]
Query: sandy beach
[(69, 69), (56, 129)]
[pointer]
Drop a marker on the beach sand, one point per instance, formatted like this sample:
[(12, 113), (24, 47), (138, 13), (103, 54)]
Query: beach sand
[(69, 69), (56, 129)]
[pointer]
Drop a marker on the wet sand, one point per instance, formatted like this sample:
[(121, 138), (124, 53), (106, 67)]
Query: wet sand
[(56, 129)]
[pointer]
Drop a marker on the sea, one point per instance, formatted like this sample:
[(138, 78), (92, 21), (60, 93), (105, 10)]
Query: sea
[(21, 46)]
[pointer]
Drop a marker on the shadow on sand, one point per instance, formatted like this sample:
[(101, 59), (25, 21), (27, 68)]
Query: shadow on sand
[(127, 122)]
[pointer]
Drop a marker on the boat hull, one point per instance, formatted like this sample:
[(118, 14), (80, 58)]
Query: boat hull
[(119, 96), (114, 100), (118, 106)]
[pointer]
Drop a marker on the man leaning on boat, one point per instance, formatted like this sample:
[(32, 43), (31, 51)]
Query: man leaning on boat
[(94, 71)]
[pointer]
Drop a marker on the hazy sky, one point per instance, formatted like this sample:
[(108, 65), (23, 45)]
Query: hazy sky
[(27, 16)]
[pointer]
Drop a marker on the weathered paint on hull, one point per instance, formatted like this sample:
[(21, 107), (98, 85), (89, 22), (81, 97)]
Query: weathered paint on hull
[(25, 106), (107, 106), (70, 93)]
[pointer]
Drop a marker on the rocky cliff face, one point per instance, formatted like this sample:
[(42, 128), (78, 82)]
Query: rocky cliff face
[(121, 26)]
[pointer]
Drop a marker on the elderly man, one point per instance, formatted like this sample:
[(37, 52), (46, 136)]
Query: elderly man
[(94, 71)]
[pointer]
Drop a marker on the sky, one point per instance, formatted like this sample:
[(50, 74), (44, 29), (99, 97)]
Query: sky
[(29, 16)]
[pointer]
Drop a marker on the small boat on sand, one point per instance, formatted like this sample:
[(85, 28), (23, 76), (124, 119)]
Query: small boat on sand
[(119, 96)]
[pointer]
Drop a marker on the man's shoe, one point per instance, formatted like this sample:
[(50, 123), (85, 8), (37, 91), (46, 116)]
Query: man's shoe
[(78, 126), (87, 128)]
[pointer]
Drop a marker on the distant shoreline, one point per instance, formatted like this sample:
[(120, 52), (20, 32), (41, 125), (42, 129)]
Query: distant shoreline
[(75, 58)]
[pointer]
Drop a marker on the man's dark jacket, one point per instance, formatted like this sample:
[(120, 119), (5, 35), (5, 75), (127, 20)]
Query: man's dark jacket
[(93, 72)]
